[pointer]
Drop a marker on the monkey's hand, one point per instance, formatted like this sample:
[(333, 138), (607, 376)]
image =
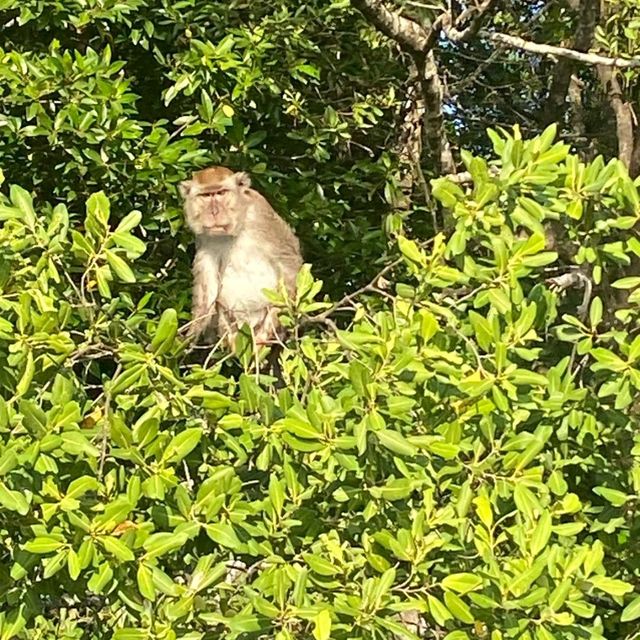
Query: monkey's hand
[(202, 319)]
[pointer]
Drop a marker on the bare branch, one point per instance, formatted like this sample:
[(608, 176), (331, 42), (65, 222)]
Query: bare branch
[(561, 52), (574, 279), (623, 113), (407, 33), (433, 119), (408, 145), (577, 109), (587, 19), (634, 169), (476, 15), (465, 176)]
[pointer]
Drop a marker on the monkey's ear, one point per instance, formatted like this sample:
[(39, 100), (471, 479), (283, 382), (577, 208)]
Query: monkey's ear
[(184, 187), (242, 179)]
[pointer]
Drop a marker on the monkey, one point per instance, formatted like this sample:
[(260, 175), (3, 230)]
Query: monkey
[(242, 247)]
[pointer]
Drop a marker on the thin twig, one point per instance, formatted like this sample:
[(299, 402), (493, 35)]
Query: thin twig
[(322, 317)]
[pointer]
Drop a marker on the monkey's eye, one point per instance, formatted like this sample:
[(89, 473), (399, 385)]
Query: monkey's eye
[(221, 192)]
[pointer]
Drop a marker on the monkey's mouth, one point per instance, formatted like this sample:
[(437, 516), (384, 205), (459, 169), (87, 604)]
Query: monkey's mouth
[(217, 228)]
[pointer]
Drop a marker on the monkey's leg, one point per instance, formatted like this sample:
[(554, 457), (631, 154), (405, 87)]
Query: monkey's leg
[(266, 334), (273, 364)]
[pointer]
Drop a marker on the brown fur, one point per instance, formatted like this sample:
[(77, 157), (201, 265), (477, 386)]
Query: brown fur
[(212, 175)]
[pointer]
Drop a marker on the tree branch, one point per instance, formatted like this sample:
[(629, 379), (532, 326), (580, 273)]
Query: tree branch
[(433, 119), (574, 93), (587, 19), (419, 42), (407, 33), (623, 113), (515, 42), (475, 14), (408, 145), (634, 169), (465, 177), (349, 298)]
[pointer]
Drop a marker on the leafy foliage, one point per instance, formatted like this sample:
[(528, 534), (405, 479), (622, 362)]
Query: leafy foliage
[(463, 447)]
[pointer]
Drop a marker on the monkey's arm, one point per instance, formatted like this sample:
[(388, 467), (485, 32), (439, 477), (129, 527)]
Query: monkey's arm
[(206, 287), (281, 247)]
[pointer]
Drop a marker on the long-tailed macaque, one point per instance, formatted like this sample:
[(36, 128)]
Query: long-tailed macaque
[(242, 247)]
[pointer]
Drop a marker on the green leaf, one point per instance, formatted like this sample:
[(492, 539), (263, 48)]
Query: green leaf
[(132, 245), (15, 621), (631, 611), (22, 200), (73, 564), (396, 442), (224, 534), (447, 192), (631, 282), (53, 564), (559, 594), (411, 251), (130, 221), (117, 548), (524, 377), (569, 528), (127, 378), (462, 582), (44, 544), (8, 462), (98, 211), (615, 497), (100, 578), (546, 138), (145, 582), (483, 508), (182, 444), (158, 544), (300, 428), (10, 213), (27, 375), (438, 611), (541, 533), (612, 586), (165, 332), (13, 500), (130, 634), (322, 625), (458, 607), (320, 565), (81, 485), (119, 266)]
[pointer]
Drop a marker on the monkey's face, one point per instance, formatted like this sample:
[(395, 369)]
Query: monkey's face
[(214, 211), (214, 202)]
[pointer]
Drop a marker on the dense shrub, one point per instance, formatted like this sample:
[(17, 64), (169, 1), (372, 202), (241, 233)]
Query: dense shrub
[(455, 451), (465, 447)]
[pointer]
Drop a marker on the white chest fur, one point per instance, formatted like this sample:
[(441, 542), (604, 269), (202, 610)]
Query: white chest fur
[(246, 273), (233, 273)]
